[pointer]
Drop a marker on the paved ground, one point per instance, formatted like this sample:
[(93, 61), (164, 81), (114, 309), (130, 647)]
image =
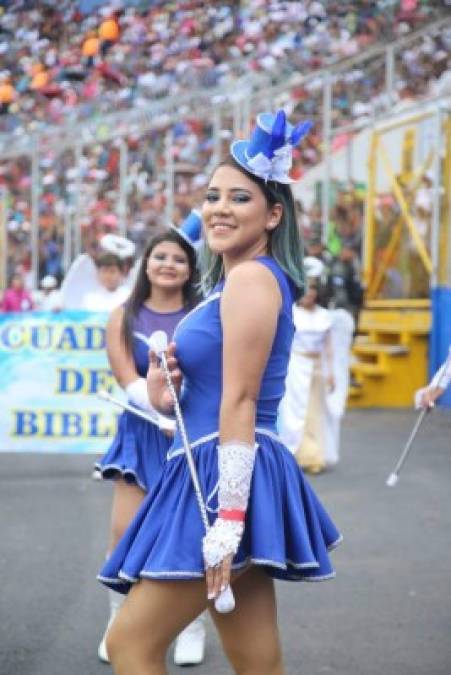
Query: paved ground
[(388, 612)]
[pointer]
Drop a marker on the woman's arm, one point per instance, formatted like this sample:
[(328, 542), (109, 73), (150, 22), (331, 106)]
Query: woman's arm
[(442, 377), (427, 396), (123, 364), (121, 361), (250, 306)]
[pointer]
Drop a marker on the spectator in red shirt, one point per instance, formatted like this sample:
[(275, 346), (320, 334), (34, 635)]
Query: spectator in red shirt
[(16, 297)]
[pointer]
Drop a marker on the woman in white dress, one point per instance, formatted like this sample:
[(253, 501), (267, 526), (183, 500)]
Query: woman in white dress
[(309, 415)]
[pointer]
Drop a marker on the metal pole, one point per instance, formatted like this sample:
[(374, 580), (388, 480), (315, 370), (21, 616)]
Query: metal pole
[(327, 128), (169, 157), (237, 129), (122, 203), (390, 72), (35, 193), (246, 114), (369, 231), (349, 160), (435, 221), (76, 220), (3, 238), (217, 142), (67, 247)]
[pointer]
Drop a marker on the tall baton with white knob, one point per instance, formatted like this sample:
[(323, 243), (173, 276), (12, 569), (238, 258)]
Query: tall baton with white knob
[(394, 476), (158, 342)]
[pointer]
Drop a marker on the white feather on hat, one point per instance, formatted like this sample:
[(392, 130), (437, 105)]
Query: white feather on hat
[(120, 246)]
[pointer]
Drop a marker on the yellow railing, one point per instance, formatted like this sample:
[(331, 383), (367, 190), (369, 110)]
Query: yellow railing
[(404, 185)]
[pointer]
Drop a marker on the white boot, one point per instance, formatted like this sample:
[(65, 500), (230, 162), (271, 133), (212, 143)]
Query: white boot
[(190, 644), (116, 600)]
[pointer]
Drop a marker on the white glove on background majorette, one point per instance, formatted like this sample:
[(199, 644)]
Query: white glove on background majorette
[(137, 394), (441, 379), (236, 464), (419, 397)]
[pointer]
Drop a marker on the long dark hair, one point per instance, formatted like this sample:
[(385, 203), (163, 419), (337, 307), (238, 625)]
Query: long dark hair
[(142, 288), (284, 242)]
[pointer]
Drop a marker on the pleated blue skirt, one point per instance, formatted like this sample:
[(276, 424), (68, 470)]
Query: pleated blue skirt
[(287, 530), (137, 453)]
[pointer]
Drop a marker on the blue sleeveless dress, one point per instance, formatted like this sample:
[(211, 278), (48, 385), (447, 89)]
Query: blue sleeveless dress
[(138, 451), (287, 530)]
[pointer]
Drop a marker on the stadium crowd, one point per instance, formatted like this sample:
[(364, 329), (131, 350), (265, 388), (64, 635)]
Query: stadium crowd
[(60, 66)]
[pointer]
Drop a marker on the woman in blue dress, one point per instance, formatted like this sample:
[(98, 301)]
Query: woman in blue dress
[(162, 294), (232, 352)]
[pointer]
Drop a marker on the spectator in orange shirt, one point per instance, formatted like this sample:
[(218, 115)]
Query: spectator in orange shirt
[(7, 94), (108, 34), (90, 48), (40, 77)]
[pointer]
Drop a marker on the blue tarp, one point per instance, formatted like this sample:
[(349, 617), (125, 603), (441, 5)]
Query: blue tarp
[(440, 339)]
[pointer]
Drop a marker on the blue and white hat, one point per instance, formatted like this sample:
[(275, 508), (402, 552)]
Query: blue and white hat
[(269, 152), (191, 229)]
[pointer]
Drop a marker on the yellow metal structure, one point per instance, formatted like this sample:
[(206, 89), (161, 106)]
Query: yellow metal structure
[(390, 356), (390, 353)]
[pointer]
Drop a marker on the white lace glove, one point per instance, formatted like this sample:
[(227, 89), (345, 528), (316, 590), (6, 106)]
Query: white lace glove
[(236, 463)]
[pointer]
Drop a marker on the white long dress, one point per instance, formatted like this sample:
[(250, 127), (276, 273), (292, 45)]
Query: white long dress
[(307, 409)]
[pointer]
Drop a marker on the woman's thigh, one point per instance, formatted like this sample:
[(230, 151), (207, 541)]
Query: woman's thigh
[(152, 616), (250, 634), (127, 499)]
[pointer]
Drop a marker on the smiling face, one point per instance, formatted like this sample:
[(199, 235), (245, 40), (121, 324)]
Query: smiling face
[(168, 266), (237, 217)]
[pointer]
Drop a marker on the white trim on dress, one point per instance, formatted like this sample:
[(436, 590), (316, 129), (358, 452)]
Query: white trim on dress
[(192, 574), (215, 434)]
